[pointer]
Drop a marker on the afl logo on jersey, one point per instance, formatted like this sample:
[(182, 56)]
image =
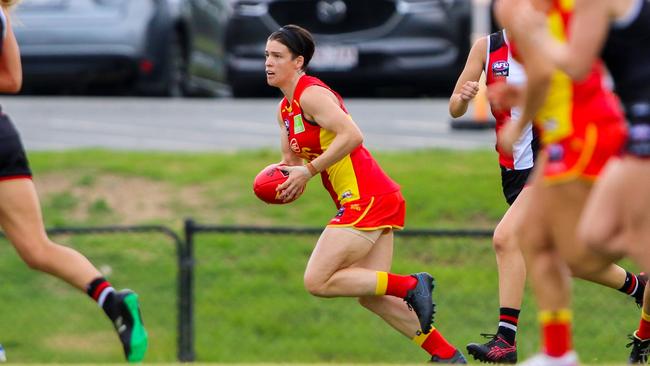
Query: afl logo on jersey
[(500, 68), (294, 145), (286, 125)]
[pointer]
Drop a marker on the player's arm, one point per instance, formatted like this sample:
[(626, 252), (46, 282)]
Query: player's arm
[(467, 83), (11, 72), (321, 105), (288, 157), (589, 29), (538, 71)]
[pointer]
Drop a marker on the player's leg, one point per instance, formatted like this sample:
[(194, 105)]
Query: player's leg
[(547, 272), (330, 273), (634, 195), (21, 220), (501, 348), (20, 216), (564, 204), (586, 263), (601, 223), (641, 337), (510, 262), (395, 312)]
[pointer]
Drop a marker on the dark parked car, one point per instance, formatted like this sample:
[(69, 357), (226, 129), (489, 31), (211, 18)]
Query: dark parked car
[(151, 47), (363, 45)]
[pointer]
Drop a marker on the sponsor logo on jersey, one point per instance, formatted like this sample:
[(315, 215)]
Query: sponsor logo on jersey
[(294, 146), (500, 68), (346, 194), (298, 125), (340, 212)]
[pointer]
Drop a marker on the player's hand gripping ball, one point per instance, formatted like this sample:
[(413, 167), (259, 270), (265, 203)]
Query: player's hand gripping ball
[(267, 181)]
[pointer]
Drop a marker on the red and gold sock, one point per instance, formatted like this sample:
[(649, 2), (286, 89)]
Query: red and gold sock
[(434, 343), (644, 326), (556, 331), (394, 285)]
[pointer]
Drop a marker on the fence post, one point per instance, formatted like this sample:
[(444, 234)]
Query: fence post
[(186, 296)]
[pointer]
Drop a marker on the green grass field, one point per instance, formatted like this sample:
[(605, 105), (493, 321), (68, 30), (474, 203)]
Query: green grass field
[(250, 304)]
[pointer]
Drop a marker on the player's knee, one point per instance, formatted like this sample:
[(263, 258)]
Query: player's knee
[(579, 270), (589, 265), (367, 301), (314, 285), (36, 259), (590, 236), (599, 238), (502, 241)]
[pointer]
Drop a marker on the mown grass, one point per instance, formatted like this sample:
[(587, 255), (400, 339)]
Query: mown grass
[(250, 304)]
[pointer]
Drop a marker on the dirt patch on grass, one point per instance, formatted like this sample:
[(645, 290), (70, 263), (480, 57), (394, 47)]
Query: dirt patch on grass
[(126, 200), (85, 198)]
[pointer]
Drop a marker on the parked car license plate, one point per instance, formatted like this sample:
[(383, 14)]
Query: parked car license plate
[(334, 58)]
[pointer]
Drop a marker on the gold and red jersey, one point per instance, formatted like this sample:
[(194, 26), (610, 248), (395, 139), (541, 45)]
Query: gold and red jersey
[(581, 121), (570, 104), (355, 176)]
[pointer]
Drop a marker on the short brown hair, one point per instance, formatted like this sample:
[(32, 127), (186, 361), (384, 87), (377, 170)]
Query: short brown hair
[(298, 40)]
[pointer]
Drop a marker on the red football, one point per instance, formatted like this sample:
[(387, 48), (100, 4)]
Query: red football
[(266, 181)]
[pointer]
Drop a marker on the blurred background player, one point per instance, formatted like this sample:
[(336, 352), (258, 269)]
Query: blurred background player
[(491, 55), (353, 255), (616, 220), (22, 223), (582, 128)]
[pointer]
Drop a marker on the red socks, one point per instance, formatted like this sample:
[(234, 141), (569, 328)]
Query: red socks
[(394, 285), (644, 326), (556, 331), (435, 344)]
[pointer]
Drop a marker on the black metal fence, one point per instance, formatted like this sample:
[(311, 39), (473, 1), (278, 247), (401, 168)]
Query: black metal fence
[(184, 247), (455, 254), (186, 352)]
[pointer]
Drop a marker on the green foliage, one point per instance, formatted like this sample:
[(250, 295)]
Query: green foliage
[(250, 302), (99, 207), (63, 202)]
